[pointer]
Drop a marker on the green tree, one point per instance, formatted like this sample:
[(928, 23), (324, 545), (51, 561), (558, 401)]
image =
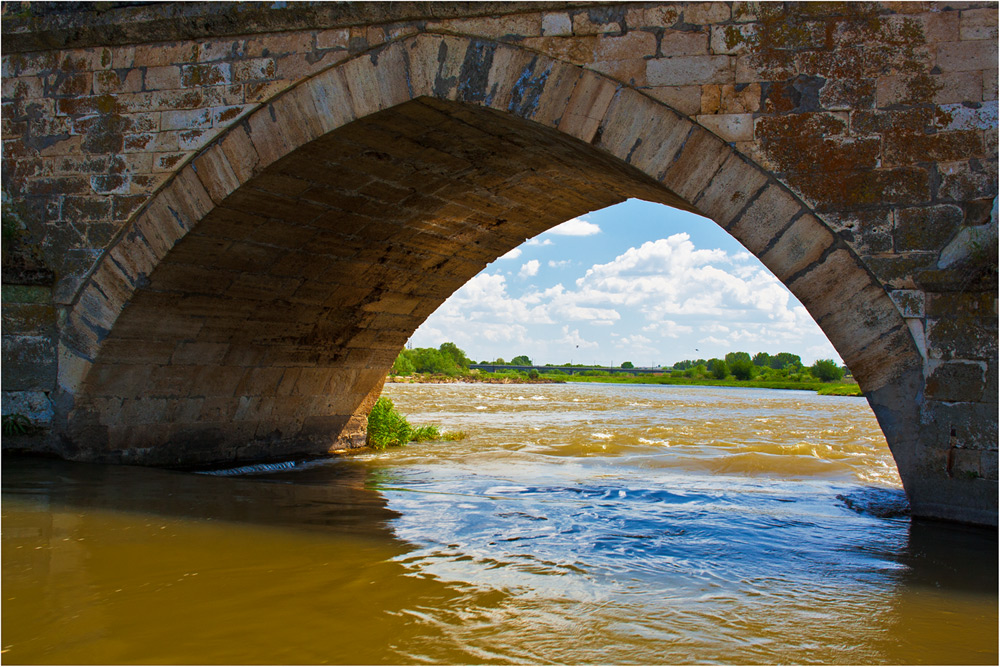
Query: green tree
[(628, 364), (826, 370), (785, 359), (521, 360), (719, 369), (499, 361), (457, 355), (742, 369), (736, 356), (762, 359), (403, 365)]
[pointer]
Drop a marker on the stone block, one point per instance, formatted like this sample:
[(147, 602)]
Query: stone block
[(29, 363), (270, 139), (860, 320), (557, 25), (697, 162), (216, 381), (336, 38), (186, 119), (154, 55), (689, 70), (731, 39), (218, 409), (798, 247), (194, 352), (926, 228), (730, 190), (642, 133), (376, 87), (555, 96), (29, 319), (216, 174), (967, 180), (962, 336), (978, 24), (956, 381), (910, 303), (35, 405), (701, 13), (955, 87), (730, 99), (967, 55), (729, 127), (162, 78), (587, 105), (975, 305), (72, 368), (294, 111), (990, 93), (657, 16), (330, 99), (599, 20), (681, 43), (254, 69), (631, 46), (686, 100), (825, 286), (170, 381)]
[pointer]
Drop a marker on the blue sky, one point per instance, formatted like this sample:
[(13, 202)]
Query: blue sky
[(637, 282)]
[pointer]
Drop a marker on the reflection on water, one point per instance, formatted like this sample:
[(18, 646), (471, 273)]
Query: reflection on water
[(575, 524)]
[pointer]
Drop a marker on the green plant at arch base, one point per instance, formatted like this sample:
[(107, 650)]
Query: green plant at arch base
[(388, 428), (17, 424)]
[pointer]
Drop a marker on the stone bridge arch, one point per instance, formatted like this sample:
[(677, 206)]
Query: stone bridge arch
[(252, 308)]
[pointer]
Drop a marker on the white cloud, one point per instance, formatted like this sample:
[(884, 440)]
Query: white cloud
[(538, 241), (560, 264), (668, 329), (529, 268), (575, 227), (574, 340), (513, 254)]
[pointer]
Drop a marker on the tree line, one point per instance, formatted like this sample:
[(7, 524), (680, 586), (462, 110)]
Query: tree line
[(449, 359)]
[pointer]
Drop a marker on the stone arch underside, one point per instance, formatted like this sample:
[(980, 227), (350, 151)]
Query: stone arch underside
[(253, 307)]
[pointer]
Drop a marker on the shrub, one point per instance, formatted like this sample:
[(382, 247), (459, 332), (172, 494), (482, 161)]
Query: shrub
[(742, 369), (388, 428), (826, 370), (719, 369), (17, 424)]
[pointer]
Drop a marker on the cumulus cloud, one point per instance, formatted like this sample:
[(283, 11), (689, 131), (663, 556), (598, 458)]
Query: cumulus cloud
[(575, 227), (672, 292), (513, 254), (538, 242)]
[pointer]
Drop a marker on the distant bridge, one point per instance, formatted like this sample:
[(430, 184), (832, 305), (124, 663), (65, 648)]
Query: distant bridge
[(569, 370)]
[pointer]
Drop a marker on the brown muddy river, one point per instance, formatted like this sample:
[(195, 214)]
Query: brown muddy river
[(575, 524)]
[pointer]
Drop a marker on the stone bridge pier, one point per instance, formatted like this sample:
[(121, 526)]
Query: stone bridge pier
[(222, 221)]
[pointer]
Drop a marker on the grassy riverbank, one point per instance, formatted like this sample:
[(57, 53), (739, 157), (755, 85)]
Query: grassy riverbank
[(823, 388)]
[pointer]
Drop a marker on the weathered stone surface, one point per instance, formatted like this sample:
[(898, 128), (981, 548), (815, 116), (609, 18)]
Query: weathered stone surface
[(957, 381), (208, 214)]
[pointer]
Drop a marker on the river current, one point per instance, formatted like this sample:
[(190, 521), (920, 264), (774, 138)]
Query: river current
[(575, 524)]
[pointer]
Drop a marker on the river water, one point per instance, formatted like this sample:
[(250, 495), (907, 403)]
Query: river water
[(576, 523)]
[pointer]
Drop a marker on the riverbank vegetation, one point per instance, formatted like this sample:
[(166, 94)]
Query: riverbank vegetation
[(388, 428), (784, 370)]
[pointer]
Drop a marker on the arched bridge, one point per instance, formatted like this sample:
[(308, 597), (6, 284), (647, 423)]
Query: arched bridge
[(223, 221)]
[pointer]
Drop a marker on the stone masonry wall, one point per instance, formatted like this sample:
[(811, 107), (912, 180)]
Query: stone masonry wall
[(880, 117)]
